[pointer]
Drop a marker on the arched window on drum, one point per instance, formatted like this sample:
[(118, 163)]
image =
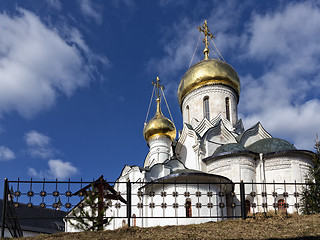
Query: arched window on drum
[(228, 108), (188, 114), (206, 111)]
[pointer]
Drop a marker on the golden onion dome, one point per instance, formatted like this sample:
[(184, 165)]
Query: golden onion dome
[(159, 125), (208, 72)]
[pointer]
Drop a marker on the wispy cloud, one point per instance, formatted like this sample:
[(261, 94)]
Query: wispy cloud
[(182, 39), (177, 53), (54, 3), (34, 138), (6, 154), (57, 169), (37, 63), (91, 10), (39, 145)]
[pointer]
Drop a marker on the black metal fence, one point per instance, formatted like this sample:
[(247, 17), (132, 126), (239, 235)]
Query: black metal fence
[(131, 203)]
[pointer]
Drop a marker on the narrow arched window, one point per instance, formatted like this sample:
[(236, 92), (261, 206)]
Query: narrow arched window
[(206, 112), (281, 205), (188, 114), (227, 108), (188, 209)]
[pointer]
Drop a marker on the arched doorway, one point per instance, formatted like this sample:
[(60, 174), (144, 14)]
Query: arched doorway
[(124, 223), (134, 220), (281, 205), (188, 208), (248, 207)]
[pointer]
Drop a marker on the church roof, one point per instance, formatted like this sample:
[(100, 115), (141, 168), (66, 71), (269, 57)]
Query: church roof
[(192, 176), (186, 171), (253, 134), (230, 147), (38, 219), (269, 145)]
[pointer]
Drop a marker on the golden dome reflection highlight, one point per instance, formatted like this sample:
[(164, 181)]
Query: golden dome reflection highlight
[(208, 72)]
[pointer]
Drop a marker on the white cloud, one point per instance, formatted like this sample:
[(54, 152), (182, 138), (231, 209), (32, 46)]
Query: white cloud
[(37, 63), (284, 97), (6, 154), (34, 138), (89, 9), (57, 169), (278, 34), (38, 145)]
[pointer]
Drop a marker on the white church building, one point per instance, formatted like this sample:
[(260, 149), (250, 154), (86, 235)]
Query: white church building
[(191, 178)]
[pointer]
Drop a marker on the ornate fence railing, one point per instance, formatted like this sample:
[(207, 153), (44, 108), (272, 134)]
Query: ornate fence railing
[(149, 203)]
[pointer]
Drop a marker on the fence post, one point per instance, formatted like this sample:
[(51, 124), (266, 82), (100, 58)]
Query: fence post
[(4, 207), (129, 203), (100, 203), (243, 201)]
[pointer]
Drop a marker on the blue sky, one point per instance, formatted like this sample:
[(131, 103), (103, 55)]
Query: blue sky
[(75, 76)]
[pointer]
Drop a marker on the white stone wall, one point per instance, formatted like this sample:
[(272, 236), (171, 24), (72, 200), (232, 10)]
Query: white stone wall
[(159, 213), (236, 168), (289, 168), (217, 95), (187, 154), (284, 171), (131, 173)]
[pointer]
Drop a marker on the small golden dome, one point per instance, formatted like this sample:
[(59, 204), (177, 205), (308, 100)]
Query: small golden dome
[(159, 125), (208, 72)]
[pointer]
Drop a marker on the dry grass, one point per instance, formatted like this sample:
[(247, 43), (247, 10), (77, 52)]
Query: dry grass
[(273, 227)]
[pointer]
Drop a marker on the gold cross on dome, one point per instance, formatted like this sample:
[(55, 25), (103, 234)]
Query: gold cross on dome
[(204, 28), (158, 86)]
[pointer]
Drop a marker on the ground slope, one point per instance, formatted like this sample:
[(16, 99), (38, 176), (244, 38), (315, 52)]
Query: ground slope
[(278, 227)]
